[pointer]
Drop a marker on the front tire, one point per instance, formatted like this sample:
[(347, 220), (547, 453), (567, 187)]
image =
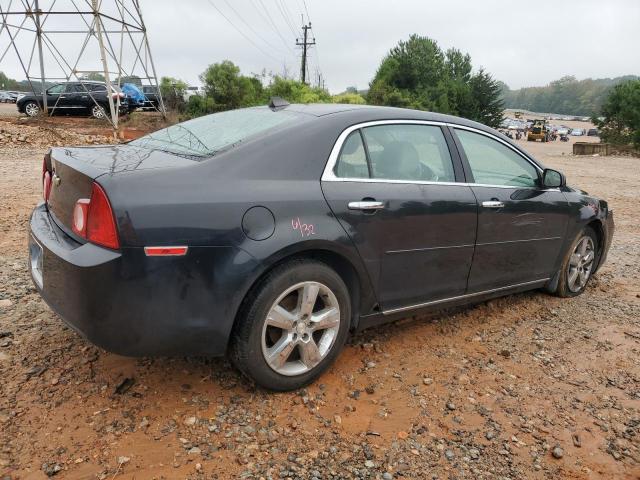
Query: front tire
[(32, 109), (579, 264), (292, 325)]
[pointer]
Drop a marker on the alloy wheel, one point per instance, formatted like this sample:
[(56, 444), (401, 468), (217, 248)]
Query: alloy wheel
[(300, 328), (97, 111), (581, 264), (32, 109)]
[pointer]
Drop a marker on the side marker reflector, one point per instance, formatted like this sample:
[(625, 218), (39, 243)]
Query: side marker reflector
[(165, 251)]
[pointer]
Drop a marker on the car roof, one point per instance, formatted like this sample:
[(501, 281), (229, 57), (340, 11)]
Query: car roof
[(365, 113)]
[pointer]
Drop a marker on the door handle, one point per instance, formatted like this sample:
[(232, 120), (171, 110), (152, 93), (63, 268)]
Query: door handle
[(366, 205), (493, 204)]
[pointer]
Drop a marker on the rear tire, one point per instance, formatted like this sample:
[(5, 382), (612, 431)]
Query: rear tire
[(578, 264), (292, 325), (98, 112)]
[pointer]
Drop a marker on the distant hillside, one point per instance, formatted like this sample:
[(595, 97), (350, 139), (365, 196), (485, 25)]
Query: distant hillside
[(566, 96)]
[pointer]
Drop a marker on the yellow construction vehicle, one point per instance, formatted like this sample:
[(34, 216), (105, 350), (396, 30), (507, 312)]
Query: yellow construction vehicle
[(538, 131)]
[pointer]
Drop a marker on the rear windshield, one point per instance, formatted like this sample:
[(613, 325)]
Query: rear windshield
[(208, 135)]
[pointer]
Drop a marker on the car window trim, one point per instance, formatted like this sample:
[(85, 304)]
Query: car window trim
[(328, 175)]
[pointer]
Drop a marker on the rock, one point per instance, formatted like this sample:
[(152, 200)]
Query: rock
[(370, 389), (369, 464), (490, 435), (451, 406), (387, 476), (448, 453), (123, 460), (198, 467), (504, 353), (194, 451), (427, 381), (576, 440), (51, 469), (474, 453), (557, 452), (337, 419), (189, 421), (402, 435), (5, 303)]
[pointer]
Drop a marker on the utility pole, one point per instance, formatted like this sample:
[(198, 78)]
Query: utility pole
[(305, 44)]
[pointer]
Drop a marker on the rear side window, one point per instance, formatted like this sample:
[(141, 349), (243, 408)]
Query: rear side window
[(493, 163), (409, 152), (352, 162), (208, 135)]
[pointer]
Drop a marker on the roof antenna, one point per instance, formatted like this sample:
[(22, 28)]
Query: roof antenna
[(277, 103)]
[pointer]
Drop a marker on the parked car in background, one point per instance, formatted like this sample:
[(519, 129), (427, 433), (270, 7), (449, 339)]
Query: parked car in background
[(6, 97), (562, 130), (593, 132), (190, 91), (152, 97), (270, 233), (135, 96), (577, 132), (74, 98)]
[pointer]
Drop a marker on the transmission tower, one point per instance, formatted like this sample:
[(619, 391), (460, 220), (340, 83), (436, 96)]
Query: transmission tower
[(74, 40)]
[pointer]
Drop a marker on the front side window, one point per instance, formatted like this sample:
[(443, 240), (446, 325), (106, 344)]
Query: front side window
[(56, 89), (493, 163), (352, 162), (409, 152)]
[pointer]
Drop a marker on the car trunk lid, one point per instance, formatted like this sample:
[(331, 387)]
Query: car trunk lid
[(74, 170)]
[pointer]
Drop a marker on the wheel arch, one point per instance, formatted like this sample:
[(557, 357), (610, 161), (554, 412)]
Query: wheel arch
[(598, 228), (355, 278)]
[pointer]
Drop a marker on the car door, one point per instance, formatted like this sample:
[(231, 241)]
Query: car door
[(397, 190), (56, 98), (521, 225)]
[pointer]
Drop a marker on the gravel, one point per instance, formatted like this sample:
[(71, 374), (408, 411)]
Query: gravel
[(434, 394)]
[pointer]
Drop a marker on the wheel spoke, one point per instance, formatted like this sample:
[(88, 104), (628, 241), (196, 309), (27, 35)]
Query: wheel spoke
[(583, 246), (278, 354), (574, 261), (308, 298), (573, 275), (326, 318), (280, 318), (309, 353), (583, 278), (588, 258)]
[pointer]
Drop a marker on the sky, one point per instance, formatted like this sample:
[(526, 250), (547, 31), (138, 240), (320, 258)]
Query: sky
[(518, 44)]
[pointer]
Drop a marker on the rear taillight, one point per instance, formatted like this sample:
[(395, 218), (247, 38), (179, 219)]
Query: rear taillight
[(93, 219), (46, 177), (46, 186)]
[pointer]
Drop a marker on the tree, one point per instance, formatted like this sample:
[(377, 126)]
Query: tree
[(621, 112), (294, 91), (172, 91), (228, 88), (93, 76), (487, 99), (349, 97), (418, 74)]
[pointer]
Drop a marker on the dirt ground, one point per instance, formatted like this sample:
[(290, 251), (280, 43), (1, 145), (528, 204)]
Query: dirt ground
[(525, 387)]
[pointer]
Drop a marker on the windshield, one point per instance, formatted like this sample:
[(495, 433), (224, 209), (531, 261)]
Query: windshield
[(205, 136)]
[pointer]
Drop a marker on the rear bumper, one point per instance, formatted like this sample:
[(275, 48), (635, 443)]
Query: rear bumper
[(134, 305)]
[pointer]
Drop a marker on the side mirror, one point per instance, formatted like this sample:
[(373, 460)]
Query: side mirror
[(553, 178)]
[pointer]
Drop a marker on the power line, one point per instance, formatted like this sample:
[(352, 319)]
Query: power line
[(242, 33), (268, 19), (286, 19), (250, 27)]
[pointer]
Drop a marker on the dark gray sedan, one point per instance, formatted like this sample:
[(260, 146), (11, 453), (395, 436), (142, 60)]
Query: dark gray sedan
[(270, 233)]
